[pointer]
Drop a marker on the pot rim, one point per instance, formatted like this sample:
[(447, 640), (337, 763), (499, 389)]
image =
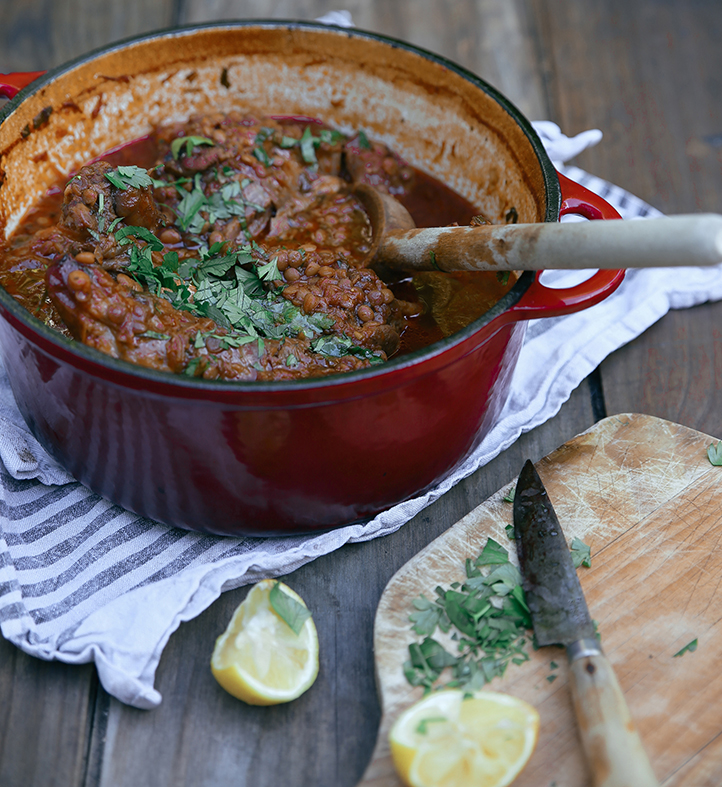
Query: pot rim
[(416, 358)]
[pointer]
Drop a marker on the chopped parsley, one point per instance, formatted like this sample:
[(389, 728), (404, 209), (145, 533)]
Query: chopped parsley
[(488, 619), (308, 142), (690, 647), (196, 208), (363, 140), (581, 553), (423, 726), (338, 346), (308, 150), (129, 177), (714, 453), (288, 609), (239, 289), (186, 145), (230, 288)]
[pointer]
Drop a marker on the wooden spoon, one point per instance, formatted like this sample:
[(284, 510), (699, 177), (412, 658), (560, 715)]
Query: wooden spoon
[(670, 241)]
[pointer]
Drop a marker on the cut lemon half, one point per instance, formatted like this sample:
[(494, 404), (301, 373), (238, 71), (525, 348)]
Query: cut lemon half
[(445, 740), (259, 658)]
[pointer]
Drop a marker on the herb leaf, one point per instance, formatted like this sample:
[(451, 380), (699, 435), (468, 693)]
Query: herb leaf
[(129, 177), (488, 617), (122, 237), (308, 151), (690, 647), (187, 143), (427, 617), (363, 140), (422, 727), (338, 346), (288, 609), (581, 554), (492, 554), (714, 453)]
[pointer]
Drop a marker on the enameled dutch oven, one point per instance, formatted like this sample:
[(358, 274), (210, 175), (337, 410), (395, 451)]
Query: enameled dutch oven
[(272, 458)]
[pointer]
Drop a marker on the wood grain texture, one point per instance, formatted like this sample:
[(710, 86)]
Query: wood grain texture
[(46, 714), (39, 34), (657, 102), (641, 492)]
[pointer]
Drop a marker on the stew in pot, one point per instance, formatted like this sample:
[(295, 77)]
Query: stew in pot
[(232, 247)]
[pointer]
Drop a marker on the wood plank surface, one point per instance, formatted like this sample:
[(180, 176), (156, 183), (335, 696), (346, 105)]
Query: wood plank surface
[(642, 494), (647, 72)]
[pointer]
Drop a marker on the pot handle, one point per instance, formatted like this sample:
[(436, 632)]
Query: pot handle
[(541, 301), (12, 84)]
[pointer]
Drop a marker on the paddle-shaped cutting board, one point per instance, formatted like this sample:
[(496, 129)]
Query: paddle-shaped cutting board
[(643, 494)]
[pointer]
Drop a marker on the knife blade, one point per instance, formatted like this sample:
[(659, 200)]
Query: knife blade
[(560, 616)]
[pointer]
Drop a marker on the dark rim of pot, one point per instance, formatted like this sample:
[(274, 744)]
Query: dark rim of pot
[(553, 206)]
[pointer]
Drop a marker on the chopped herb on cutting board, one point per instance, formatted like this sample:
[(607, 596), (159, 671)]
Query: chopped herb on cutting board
[(487, 616), (690, 647), (714, 453)]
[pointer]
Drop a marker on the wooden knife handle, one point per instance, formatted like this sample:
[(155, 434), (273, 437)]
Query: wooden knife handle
[(611, 742)]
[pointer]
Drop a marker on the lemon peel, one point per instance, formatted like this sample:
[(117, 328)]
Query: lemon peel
[(259, 658), (453, 739)]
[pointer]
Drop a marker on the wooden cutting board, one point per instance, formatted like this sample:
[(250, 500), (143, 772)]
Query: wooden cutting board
[(642, 493)]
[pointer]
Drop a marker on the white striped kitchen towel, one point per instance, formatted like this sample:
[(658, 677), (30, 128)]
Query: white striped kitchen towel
[(82, 580)]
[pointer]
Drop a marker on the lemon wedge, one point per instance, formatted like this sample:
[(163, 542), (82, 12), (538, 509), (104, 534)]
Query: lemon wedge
[(259, 658), (445, 740)]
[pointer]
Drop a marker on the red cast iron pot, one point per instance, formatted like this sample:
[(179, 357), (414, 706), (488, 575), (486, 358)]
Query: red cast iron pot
[(262, 458)]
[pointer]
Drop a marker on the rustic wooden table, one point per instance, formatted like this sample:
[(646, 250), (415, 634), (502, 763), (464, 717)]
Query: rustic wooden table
[(646, 72)]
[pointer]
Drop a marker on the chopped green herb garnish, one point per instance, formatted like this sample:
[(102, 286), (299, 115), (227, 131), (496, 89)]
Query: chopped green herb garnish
[(307, 143), (269, 271), (493, 553), (192, 367), (153, 335), (509, 496), (338, 346), (101, 217), (422, 727), (690, 647), (129, 177), (196, 208), (503, 277), (581, 554), (260, 153), (186, 144), (363, 140), (714, 453), (552, 678), (288, 609), (487, 616), (123, 235)]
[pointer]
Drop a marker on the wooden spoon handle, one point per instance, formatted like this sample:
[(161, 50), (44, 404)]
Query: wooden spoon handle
[(613, 747), (689, 240)]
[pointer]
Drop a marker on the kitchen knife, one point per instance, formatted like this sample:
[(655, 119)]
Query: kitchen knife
[(560, 616)]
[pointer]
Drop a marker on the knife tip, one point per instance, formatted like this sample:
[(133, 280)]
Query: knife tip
[(528, 471)]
